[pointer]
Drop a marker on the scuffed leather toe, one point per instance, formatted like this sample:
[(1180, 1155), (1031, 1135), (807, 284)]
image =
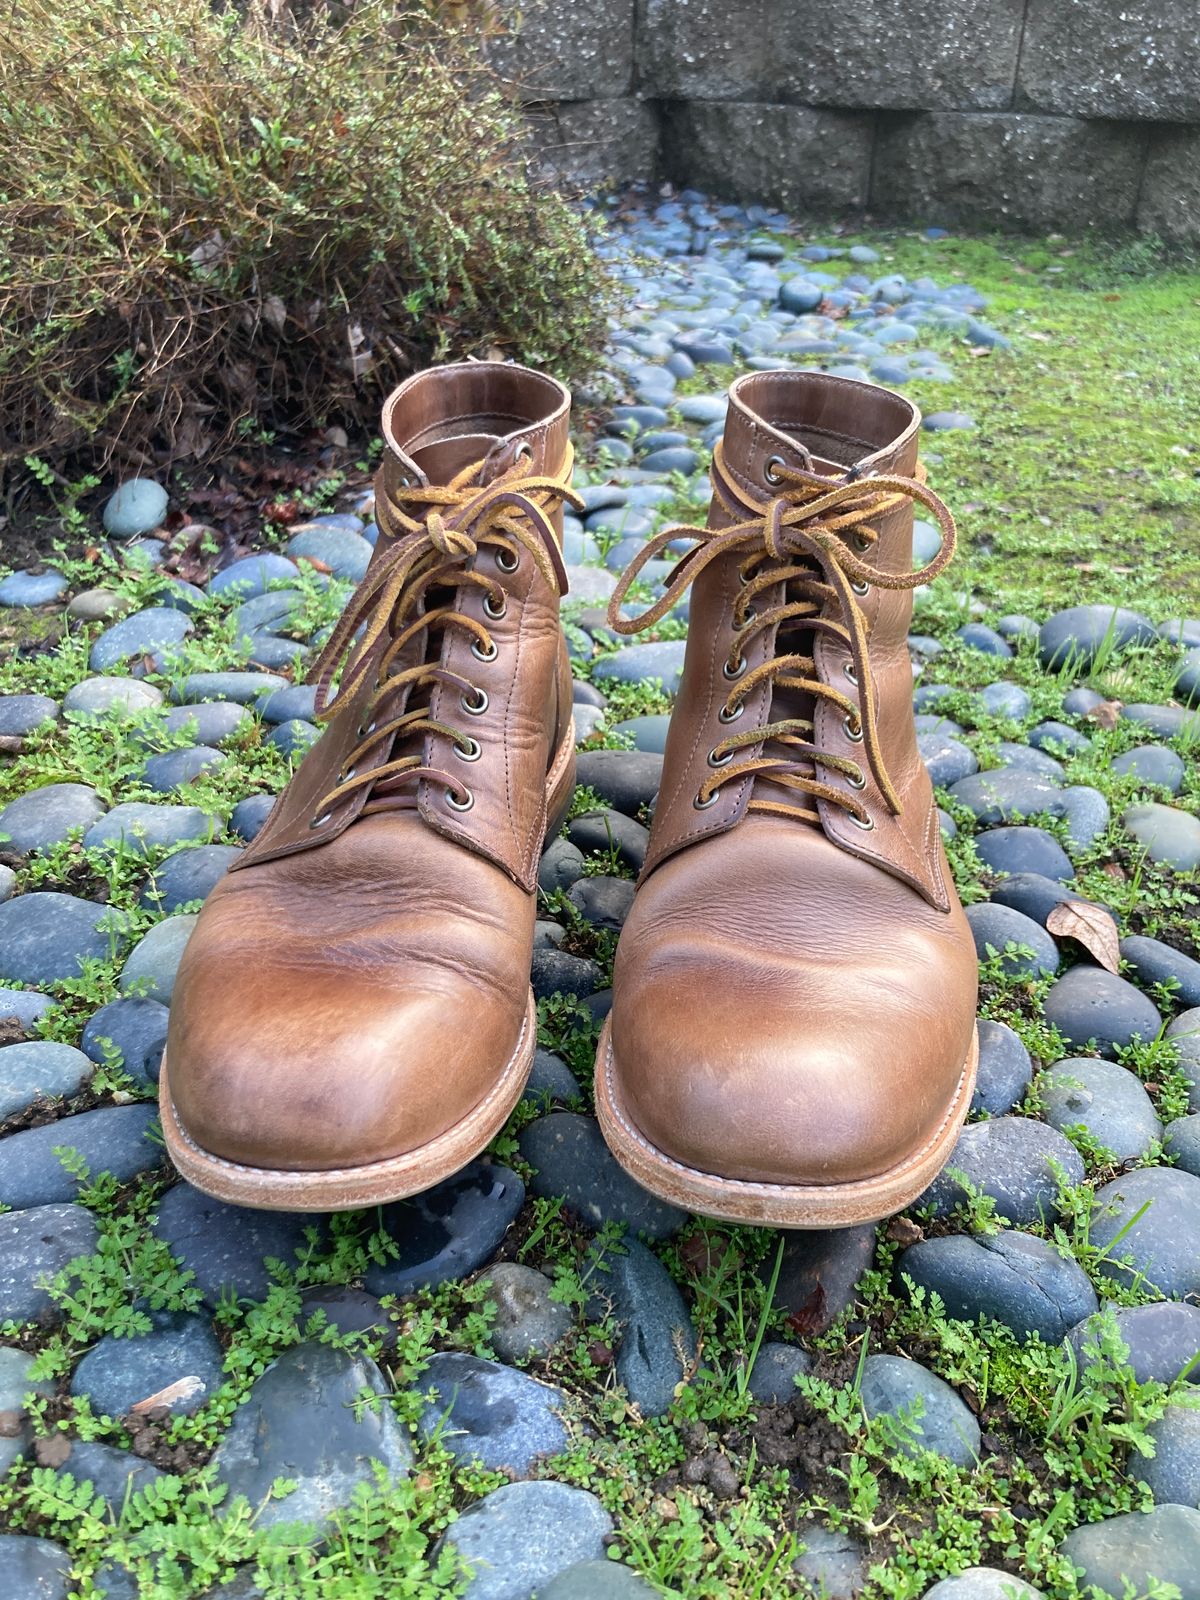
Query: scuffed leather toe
[(805, 1055), (321, 1030)]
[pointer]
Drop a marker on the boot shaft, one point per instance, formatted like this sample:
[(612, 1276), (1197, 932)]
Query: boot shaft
[(789, 434), (454, 632)]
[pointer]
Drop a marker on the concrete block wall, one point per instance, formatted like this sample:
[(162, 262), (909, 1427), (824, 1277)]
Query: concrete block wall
[(1027, 114)]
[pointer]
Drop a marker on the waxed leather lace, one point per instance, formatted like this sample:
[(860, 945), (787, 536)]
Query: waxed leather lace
[(434, 531), (799, 537)]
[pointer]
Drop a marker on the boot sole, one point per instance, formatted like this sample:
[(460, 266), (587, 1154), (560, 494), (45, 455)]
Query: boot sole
[(778, 1205), (397, 1177)]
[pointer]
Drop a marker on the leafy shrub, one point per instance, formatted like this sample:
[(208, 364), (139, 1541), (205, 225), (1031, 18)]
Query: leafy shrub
[(213, 216)]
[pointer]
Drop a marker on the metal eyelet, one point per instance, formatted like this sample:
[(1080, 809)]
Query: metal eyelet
[(769, 474), (751, 616), (731, 713), (860, 782), (506, 561), (495, 611), (481, 654), (734, 673), (860, 589), (715, 760), (469, 750), (365, 728), (319, 822), (860, 542), (476, 707), (465, 804), (852, 732), (702, 805), (524, 451), (859, 823), (848, 669), (350, 772)]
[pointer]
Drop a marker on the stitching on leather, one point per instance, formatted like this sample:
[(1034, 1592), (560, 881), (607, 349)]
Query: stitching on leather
[(281, 1174), (784, 1189)]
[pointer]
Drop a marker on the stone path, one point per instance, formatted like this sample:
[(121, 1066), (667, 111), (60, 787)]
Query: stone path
[(499, 1326)]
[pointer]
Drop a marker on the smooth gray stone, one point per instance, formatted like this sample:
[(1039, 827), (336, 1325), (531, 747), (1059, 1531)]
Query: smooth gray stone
[(449, 1231), (187, 875), (39, 1070), (1184, 1034), (138, 827), (1087, 1003), (1058, 738), (137, 506), (601, 831), (21, 714), (946, 760), (630, 1283), (995, 927), (175, 769), (250, 815), (15, 1384), (528, 1322), (834, 1565), (180, 1352), (46, 937), (819, 1272), (893, 1384), (1156, 962), (983, 1583), (113, 1139), (1182, 1143), (33, 1569), (1024, 850), (1036, 896), (776, 1367), (1108, 1100), (1086, 814), (641, 663), (597, 1580), (240, 687), (142, 633), (26, 1005), (113, 1473), (602, 902), (1015, 1278), (101, 697), (551, 1079), (154, 960), (226, 1247), (1162, 1247), (1168, 835), (1079, 633), (210, 724), (1173, 1472), (558, 972), (249, 575), (1163, 1338), (487, 1413), (1005, 1069), (1152, 764), (1006, 794), (1011, 1160), (626, 779), (135, 1029), (8, 882), (48, 816), (517, 1538), (301, 1421), (561, 866), (1129, 1550), (35, 1245), (571, 1161)]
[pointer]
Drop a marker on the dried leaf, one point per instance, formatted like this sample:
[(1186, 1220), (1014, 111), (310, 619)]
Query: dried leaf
[(904, 1231), (52, 1450), (181, 1389), (1089, 925), (1106, 715)]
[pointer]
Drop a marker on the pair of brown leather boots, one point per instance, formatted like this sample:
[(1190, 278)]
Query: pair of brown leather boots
[(792, 1036)]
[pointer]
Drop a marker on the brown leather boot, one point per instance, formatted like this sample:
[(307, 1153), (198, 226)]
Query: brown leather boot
[(792, 1039), (352, 1020)]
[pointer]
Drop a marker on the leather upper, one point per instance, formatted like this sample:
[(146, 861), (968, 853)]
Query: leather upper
[(794, 999), (356, 985)]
